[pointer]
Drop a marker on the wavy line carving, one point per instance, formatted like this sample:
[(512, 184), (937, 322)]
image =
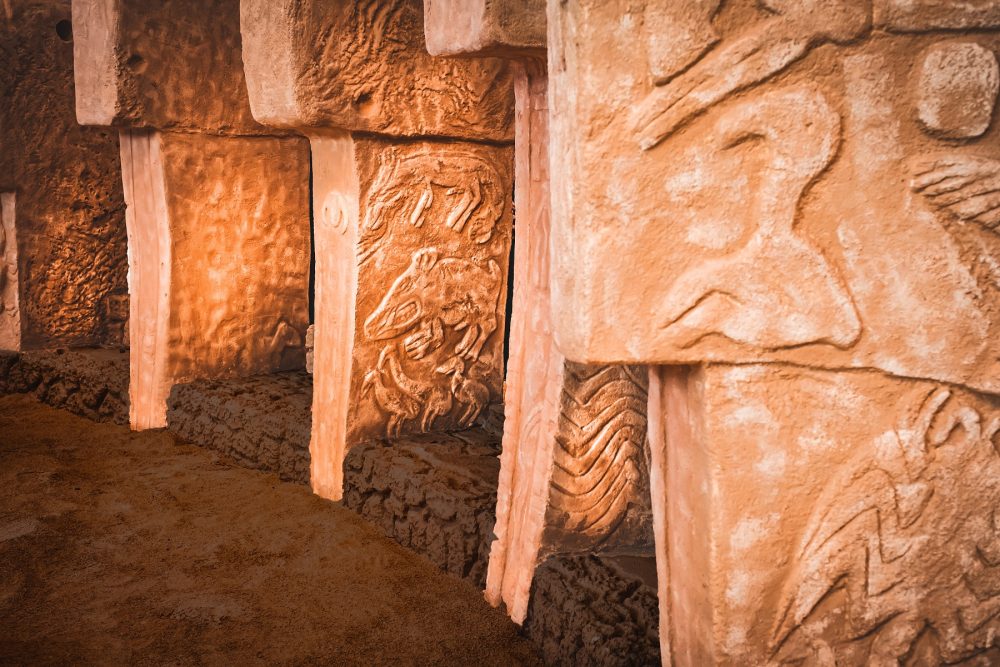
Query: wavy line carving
[(600, 466)]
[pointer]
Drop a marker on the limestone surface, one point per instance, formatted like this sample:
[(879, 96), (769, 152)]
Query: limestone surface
[(62, 237), (220, 259), (789, 192)]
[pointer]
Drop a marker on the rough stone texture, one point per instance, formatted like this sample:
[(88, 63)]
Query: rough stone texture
[(844, 518), (61, 190), (958, 88), (90, 383), (261, 422), (435, 494), (219, 230), (504, 28), (755, 203), (363, 66), (412, 237), (587, 610), (412, 245), (310, 346), (129, 72)]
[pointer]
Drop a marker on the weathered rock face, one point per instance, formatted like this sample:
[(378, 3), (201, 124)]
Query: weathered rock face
[(62, 245), (412, 226), (754, 200), (218, 211), (812, 183), (852, 517), (172, 65), (220, 256), (362, 66), (574, 468)]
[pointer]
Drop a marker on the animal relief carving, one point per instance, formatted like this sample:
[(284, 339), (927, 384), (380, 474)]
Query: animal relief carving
[(902, 552)]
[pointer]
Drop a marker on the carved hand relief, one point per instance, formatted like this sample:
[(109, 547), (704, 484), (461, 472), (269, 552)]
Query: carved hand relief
[(903, 545), (756, 191), (435, 234)]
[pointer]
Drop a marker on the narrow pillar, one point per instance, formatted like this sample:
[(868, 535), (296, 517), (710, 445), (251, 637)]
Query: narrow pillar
[(412, 172), (791, 214), (574, 471), (62, 245), (218, 205)]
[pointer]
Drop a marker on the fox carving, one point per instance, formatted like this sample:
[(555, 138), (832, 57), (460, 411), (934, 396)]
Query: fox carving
[(435, 294)]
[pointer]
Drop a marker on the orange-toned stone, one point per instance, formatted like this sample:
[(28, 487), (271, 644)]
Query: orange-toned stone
[(219, 267), (412, 235), (574, 474), (362, 66), (787, 192), (841, 518), (165, 65), (218, 211), (64, 249)]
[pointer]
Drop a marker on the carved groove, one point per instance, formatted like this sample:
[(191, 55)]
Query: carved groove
[(600, 463)]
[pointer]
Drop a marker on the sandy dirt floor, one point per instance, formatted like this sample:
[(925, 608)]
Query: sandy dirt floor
[(127, 548)]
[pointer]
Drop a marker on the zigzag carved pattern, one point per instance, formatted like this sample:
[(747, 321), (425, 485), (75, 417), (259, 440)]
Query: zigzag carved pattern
[(600, 459)]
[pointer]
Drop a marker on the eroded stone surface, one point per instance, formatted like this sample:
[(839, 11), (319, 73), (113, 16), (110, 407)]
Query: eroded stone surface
[(363, 66), (261, 421), (588, 610), (412, 243), (129, 72), (219, 231), (887, 554), (89, 382), (61, 192), (958, 88), (482, 27), (756, 205)]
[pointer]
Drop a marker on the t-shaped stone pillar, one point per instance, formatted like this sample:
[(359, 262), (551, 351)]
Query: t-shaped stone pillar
[(411, 183), (218, 208), (799, 201), (62, 218), (574, 469)]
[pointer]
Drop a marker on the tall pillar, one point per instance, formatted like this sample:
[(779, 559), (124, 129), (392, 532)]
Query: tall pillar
[(574, 467), (792, 210), (218, 208), (62, 239), (411, 179)]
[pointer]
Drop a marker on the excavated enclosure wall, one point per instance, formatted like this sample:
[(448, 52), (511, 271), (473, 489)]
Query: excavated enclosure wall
[(90, 383), (435, 494), (70, 260)]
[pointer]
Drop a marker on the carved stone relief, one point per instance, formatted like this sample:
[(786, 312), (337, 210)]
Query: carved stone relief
[(412, 240), (749, 198), (574, 472), (433, 245), (363, 66), (853, 518)]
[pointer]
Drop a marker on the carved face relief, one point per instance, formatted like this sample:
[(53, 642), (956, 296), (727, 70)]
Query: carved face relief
[(433, 246), (769, 196)]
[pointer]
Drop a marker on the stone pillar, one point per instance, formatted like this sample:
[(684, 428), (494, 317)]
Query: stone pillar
[(62, 241), (574, 468), (218, 206), (793, 210), (411, 179)]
